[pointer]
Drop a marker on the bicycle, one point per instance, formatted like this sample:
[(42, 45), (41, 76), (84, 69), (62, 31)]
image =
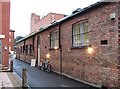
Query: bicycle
[(45, 66)]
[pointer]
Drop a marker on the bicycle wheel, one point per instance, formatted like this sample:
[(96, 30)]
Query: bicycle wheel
[(43, 67), (49, 68)]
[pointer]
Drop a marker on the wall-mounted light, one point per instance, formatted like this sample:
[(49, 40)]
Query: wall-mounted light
[(48, 36), (5, 47), (48, 55), (90, 50), (56, 47)]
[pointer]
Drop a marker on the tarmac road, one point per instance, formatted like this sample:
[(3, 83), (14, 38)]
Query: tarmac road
[(38, 78)]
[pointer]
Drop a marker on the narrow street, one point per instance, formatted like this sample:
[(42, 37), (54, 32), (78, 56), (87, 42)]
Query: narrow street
[(38, 78)]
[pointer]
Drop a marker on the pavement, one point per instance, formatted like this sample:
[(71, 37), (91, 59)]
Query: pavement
[(9, 80)]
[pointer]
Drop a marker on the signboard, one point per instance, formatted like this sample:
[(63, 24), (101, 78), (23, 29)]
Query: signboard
[(33, 62), (2, 36)]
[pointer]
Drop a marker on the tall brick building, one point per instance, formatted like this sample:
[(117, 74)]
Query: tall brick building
[(4, 30), (37, 23), (83, 46)]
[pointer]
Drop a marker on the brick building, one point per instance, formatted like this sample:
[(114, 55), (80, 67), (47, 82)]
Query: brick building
[(11, 41), (37, 23), (4, 31), (83, 46)]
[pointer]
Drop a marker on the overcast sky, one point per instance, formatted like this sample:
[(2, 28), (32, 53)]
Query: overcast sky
[(21, 11)]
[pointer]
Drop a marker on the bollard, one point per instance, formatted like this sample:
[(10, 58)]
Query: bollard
[(24, 78), (11, 66)]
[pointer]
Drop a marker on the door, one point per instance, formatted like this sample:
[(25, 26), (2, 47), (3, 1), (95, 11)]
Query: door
[(0, 52), (38, 51)]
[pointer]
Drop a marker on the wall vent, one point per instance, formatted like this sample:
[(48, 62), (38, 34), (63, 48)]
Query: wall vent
[(104, 42)]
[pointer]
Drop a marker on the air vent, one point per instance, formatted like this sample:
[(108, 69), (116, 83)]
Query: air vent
[(112, 16), (104, 42)]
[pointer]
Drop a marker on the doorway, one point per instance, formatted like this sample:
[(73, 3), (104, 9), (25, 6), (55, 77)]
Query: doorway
[(38, 48)]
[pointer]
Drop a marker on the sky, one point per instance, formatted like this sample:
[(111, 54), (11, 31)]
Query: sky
[(20, 11)]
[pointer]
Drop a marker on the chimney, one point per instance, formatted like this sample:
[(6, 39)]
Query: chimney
[(35, 17)]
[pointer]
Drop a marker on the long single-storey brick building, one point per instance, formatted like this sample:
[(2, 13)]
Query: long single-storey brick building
[(84, 46)]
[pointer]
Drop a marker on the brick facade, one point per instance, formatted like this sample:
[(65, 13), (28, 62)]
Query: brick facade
[(4, 29), (98, 68), (78, 63)]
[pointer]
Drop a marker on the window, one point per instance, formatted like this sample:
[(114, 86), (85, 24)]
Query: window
[(9, 33), (31, 49), (9, 40), (21, 49), (80, 34), (54, 39), (26, 50)]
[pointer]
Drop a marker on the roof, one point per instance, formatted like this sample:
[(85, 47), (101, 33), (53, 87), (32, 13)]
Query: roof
[(80, 11), (26, 37)]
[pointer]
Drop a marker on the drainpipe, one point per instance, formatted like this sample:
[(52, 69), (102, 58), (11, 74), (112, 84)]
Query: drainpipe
[(60, 47), (33, 47)]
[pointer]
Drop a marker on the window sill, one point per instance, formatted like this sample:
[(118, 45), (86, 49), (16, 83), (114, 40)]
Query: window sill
[(53, 49), (80, 47)]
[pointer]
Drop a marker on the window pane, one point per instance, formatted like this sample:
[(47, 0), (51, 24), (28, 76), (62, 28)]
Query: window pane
[(80, 34), (82, 38), (86, 38), (54, 39), (52, 36), (81, 28), (76, 29), (52, 44), (78, 39), (56, 43), (85, 27)]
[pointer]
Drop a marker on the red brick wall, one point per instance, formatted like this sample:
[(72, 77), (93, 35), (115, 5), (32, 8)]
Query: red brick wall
[(22, 56), (45, 49), (78, 63), (5, 24), (18, 53)]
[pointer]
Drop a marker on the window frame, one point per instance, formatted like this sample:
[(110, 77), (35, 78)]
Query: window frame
[(55, 40), (80, 44)]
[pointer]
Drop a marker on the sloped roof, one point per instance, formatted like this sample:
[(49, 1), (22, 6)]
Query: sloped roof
[(81, 11)]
